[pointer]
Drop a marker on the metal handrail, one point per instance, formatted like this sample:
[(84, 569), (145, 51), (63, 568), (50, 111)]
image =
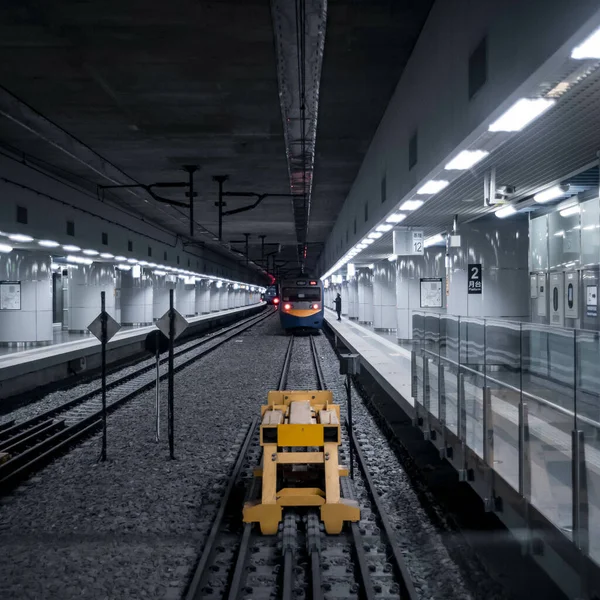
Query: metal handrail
[(528, 395)]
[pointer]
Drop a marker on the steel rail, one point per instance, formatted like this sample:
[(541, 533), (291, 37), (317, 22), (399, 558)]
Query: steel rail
[(403, 576), (21, 465), (194, 591)]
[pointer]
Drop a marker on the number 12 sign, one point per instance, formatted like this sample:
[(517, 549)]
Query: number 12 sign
[(474, 280)]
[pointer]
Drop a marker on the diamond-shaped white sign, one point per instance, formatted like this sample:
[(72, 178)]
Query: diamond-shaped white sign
[(179, 325), (95, 327)]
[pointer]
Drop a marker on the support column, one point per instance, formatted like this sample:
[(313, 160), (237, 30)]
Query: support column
[(215, 297), (203, 289), (224, 296), (161, 284), (409, 272), (185, 297), (345, 298), (353, 298), (384, 296), (365, 296), (136, 298), (32, 323), (86, 282)]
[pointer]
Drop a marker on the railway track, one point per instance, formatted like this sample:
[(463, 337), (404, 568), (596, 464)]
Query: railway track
[(301, 562), (29, 445)]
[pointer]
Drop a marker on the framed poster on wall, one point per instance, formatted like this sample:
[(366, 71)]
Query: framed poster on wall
[(431, 292), (10, 295)]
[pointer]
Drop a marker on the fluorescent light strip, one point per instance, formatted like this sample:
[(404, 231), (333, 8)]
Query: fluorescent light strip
[(434, 239), (411, 204), (433, 186), (48, 243), (384, 227), (91, 252), (556, 191), (5, 248), (20, 237), (521, 114), (396, 218), (107, 255), (71, 248), (375, 235), (505, 211), (570, 210), (466, 159), (589, 48)]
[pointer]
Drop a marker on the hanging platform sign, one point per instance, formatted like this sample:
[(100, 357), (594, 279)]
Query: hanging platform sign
[(408, 243), (474, 279), (10, 295)]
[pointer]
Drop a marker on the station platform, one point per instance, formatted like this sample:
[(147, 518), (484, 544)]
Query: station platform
[(536, 504), (25, 370)]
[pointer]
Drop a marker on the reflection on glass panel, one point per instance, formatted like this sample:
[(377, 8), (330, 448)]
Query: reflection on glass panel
[(449, 333), (434, 389), (588, 421), (538, 243), (450, 397), (505, 419), (564, 239), (551, 467), (503, 352), (474, 411), (590, 239), (472, 338)]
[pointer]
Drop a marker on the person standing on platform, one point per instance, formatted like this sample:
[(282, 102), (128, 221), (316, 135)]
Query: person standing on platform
[(338, 306)]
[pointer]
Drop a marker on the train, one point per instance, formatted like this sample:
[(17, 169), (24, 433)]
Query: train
[(271, 295), (301, 304)]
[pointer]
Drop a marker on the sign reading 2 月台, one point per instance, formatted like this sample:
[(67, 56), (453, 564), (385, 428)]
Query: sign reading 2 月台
[(474, 279)]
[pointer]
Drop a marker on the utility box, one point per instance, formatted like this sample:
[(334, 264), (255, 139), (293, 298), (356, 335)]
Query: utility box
[(349, 364)]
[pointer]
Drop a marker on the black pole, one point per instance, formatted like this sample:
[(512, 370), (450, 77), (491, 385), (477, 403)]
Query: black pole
[(262, 250), (191, 169), (349, 401), (104, 336), (220, 179), (247, 235), (171, 382)]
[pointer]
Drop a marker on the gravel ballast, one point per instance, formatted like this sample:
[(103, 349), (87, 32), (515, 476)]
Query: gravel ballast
[(132, 527)]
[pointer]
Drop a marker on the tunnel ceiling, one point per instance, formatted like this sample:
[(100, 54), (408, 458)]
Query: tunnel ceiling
[(147, 87)]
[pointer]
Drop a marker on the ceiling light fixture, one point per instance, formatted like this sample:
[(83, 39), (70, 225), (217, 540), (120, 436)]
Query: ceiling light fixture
[(466, 159), (589, 48), (5, 248), (505, 211), (392, 257), (20, 237), (91, 252), (124, 267), (80, 260), (383, 227), (552, 193), (375, 235), (570, 210), (521, 113), (71, 248), (133, 261), (411, 205), (107, 255), (433, 186), (48, 243), (433, 240), (368, 242), (120, 258), (396, 218)]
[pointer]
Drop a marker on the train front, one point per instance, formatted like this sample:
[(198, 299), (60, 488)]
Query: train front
[(301, 305)]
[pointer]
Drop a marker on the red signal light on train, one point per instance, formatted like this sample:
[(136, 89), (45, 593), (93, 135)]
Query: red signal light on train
[(275, 300), (313, 283), (315, 306), (287, 306)]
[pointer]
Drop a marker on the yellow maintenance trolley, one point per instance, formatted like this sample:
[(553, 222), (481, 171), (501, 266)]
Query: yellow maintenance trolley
[(300, 434)]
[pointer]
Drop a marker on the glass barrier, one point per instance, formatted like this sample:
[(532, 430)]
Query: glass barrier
[(526, 399)]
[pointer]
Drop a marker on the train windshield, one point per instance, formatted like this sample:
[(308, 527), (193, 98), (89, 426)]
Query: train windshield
[(301, 294), (271, 291)]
